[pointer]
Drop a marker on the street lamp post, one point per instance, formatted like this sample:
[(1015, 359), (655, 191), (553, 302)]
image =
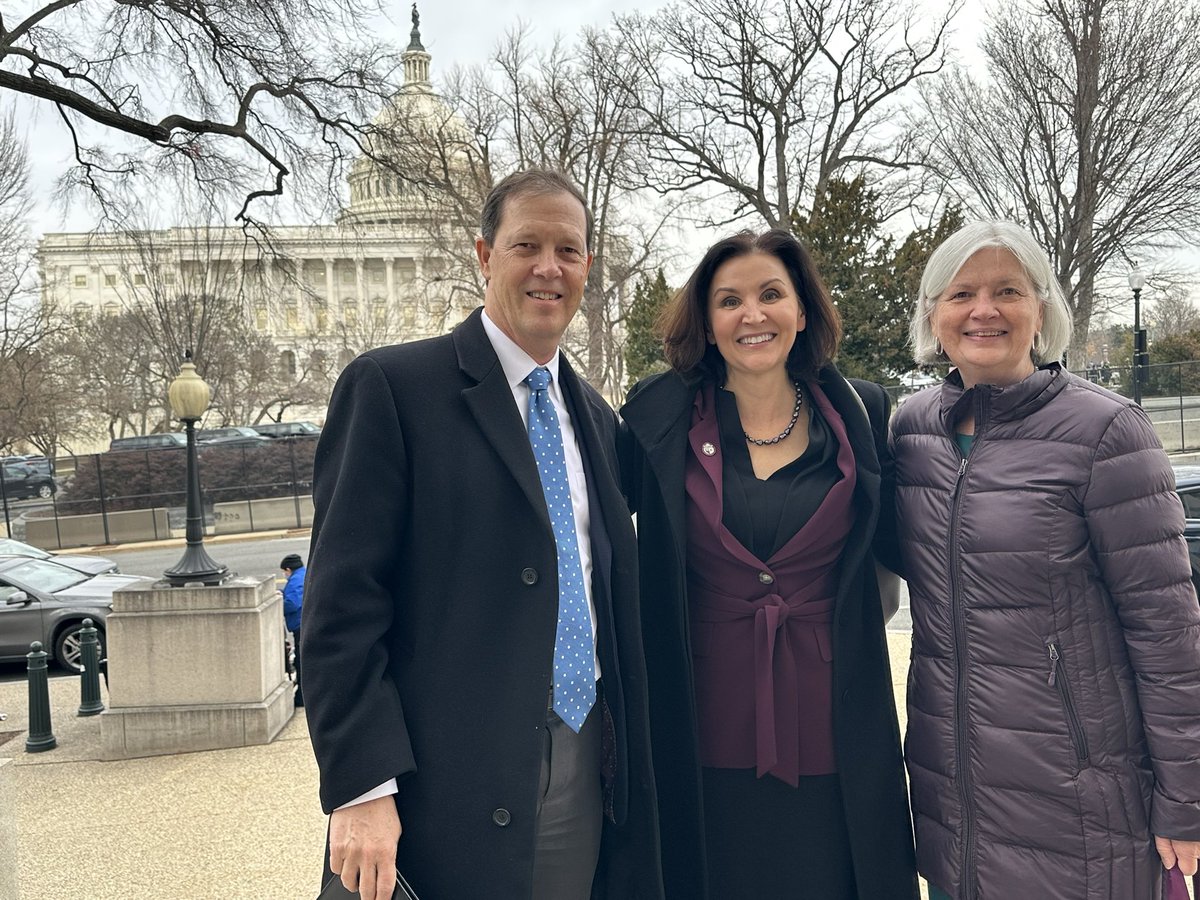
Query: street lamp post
[(1137, 281), (189, 396)]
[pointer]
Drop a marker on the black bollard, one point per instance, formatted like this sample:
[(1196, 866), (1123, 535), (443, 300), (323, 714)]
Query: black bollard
[(40, 736), (89, 680)]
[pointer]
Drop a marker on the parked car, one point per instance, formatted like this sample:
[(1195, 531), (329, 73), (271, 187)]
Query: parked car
[(89, 565), (162, 441), (35, 461), (43, 600), (287, 429), (1187, 484), (22, 481), (232, 436)]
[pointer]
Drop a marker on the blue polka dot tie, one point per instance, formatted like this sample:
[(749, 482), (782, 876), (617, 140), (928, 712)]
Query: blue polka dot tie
[(574, 665)]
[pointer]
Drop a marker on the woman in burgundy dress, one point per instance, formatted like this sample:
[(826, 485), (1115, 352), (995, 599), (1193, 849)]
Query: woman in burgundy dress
[(756, 472)]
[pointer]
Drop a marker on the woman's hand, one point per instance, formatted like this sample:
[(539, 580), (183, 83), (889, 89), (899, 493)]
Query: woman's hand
[(1183, 852)]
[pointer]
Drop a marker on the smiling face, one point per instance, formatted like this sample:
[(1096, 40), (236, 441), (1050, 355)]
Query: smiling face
[(536, 269), (987, 319), (754, 314)]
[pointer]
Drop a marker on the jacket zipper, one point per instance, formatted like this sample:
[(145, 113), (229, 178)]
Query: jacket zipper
[(1058, 677), (965, 790)]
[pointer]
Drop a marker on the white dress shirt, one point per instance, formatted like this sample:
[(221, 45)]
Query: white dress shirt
[(517, 365)]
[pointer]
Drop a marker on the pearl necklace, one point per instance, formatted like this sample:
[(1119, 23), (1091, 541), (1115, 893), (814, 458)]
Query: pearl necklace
[(766, 442)]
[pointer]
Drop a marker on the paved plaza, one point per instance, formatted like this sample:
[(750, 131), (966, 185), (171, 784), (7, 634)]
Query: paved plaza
[(239, 823)]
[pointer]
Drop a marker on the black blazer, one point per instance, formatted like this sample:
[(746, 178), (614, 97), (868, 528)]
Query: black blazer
[(430, 614), (866, 734)]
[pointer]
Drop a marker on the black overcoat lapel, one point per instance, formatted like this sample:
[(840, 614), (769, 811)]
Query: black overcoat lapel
[(659, 419), (490, 401)]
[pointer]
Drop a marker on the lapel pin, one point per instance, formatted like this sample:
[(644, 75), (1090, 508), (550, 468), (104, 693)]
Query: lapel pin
[(708, 449)]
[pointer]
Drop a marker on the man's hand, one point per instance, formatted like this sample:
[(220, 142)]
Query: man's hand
[(362, 847), (1183, 852)]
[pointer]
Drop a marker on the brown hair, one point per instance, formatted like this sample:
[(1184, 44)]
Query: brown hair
[(683, 324), (529, 181)]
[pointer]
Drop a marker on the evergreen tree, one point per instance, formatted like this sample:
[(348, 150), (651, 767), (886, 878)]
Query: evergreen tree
[(873, 282), (643, 347)]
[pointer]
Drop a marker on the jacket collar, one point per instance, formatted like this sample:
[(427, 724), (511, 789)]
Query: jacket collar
[(993, 404), (490, 400), (658, 413)]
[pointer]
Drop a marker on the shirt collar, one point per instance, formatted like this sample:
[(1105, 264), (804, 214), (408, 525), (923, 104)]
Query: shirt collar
[(517, 364)]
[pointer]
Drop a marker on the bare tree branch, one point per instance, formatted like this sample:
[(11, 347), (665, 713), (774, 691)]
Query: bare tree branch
[(763, 102), (246, 98), (1088, 132)]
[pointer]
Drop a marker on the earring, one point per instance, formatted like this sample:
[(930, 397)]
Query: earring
[(937, 348), (1039, 346)]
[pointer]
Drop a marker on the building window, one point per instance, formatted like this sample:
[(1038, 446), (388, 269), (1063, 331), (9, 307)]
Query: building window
[(291, 316), (169, 278), (80, 281), (345, 357), (111, 309), (260, 318), (110, 280), (377, 276), (287, 363), (318, 361), (410, 315), (82, 310), (347, 277), (350, 313), (139, 278), (379, 313), (322, 318)]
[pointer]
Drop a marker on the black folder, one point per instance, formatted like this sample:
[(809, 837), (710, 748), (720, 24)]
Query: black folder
[(335, 890)]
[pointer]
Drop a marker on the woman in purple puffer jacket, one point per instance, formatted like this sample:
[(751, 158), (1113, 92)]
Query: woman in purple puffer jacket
[(1053, 742)]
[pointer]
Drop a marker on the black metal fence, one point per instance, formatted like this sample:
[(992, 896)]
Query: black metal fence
[(139, 495)]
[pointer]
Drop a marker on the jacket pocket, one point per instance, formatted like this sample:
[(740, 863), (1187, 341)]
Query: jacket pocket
[(1058, 678)]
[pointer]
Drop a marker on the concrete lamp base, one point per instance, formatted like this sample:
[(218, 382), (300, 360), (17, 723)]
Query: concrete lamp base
[(195, 668)]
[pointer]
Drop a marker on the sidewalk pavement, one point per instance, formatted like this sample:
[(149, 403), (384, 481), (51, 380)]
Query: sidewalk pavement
[(238, 823), (212, 825)]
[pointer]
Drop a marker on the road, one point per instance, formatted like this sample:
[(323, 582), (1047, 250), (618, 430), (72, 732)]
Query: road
[(246, 557)]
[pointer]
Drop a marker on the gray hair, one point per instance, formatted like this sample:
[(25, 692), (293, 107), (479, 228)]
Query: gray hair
[(953, 253)]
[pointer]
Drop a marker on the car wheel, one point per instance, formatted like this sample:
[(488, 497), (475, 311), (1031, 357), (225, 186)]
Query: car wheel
[(45, 491), (67, 651)]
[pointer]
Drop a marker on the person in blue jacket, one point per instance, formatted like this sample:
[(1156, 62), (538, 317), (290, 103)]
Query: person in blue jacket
[(293, 600)]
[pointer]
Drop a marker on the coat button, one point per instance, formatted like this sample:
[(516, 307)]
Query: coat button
[(766, 577), (529, 576), (501, 817)]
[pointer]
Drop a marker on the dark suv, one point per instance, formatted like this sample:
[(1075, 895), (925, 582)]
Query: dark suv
[(22, 481), (232, 436), (35, 461), (287, 429), (1187, 484), (162, 441)]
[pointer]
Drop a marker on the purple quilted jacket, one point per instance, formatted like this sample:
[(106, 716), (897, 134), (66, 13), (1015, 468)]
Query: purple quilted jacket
[(1054, 690)]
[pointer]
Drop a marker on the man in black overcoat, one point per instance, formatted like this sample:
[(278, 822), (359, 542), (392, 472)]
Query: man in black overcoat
[(432, 633)]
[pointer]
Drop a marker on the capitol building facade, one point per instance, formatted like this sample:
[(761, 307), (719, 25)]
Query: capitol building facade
[(374, 276)]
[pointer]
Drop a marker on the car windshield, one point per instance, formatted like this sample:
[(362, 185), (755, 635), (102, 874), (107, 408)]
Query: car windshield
[(9, 547), (42, 575)]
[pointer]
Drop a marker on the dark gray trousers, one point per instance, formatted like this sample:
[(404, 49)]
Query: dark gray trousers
[(570, 810)]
